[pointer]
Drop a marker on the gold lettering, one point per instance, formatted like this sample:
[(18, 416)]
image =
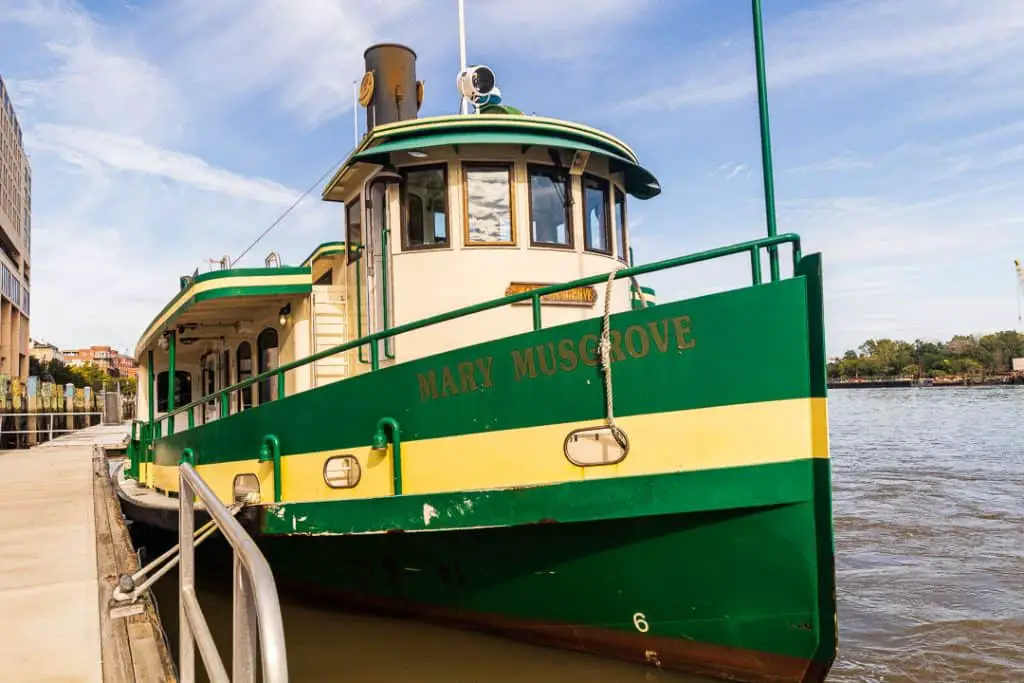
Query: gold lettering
[(542, 358), (589, 357), (524, 365), (428, 385), (681, 332), (660, 338), (616, 350), (485, 364), (466, 376), (448, 387), (637, 349), (567, 351)]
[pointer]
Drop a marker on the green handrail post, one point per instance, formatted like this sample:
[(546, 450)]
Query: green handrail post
[(188, 455), (766, 138), (375, 354), (132, 454), (536, 311), (359, 302), (280, 385), (150, 394), (755, 265), (380, 442), (384, 288), (224, 408), (171, 371), (191, 419), (270, 451)]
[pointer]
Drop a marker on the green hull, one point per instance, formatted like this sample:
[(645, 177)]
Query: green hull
[(736, 592), (725, 570)]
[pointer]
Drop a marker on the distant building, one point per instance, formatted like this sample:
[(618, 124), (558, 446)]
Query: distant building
[(1018, 365), (105, 357), (15, 242), (44, 352)]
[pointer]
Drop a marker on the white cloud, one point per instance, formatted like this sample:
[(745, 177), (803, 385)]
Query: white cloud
[(847, 161), (96, 81), (119, 207), (302, 58), (860, 43), (83, 146)]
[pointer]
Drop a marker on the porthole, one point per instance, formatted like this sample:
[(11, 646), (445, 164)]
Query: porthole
[(342, 472), (244, 485), (591, 446)]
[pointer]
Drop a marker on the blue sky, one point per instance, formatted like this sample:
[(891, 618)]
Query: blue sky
[(164, 133)]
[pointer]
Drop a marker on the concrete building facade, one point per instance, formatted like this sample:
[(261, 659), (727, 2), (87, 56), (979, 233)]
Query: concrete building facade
[(15, 242)]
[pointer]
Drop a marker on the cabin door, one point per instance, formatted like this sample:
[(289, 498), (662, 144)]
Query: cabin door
[(210, 372), (379, 278)]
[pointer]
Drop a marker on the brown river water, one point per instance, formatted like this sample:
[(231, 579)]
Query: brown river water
[(929, 518)]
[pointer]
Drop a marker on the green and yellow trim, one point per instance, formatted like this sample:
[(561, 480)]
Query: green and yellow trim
[(493, 129), (773, 432), (325, 249), (226, 284)]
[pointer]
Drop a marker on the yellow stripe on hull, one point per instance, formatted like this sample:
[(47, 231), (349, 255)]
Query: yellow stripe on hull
[(688, 440)]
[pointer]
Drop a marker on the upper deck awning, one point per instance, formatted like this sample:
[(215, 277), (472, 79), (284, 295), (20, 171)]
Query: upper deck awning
[(497, 129), (227, 295)]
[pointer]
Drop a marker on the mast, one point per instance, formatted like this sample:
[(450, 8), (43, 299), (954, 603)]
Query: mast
[(355, 115), (766, 140), (463, 104)]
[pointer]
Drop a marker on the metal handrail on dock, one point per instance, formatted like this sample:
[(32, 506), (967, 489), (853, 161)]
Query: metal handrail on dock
[(256, 611)]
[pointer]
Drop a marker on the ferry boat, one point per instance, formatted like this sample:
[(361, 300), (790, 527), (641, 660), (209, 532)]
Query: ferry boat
[(470, 410)]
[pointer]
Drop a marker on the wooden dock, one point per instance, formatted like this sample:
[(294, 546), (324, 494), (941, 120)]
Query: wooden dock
[(63, 542)]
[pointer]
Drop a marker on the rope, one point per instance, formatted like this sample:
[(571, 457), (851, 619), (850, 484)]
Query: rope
[(286, 212), (604, 347)]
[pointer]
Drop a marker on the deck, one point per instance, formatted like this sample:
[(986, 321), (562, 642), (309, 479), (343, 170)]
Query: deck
[(63, 543)]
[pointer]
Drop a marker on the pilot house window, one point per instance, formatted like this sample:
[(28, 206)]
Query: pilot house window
[(353, 230), (596, 232), (620, 222), (549, 212), (425, 205), (488, 204)]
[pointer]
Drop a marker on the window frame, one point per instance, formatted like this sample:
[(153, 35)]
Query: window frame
[(606, 184), (508, 166), (267, 386), (570, 232), (353, 254), (403, 199), (620, 230)]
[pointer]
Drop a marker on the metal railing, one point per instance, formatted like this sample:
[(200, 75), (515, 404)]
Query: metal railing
[(46, 430), (256, 611), (751, 247)]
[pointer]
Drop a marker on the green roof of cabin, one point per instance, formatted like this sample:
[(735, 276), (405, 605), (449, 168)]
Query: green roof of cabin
[(496, 129)]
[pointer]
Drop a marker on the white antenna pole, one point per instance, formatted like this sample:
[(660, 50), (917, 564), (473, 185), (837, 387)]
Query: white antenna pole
[(355, 114), (462, 51)]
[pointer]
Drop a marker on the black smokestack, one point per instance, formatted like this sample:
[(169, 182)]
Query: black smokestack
[(394, 95)]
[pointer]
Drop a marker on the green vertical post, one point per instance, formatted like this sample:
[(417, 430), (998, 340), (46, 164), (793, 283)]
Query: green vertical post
[(171, 369), (150, 395), (766, 141)]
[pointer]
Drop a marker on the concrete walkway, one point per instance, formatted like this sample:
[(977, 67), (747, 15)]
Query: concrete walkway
[(49, 581)]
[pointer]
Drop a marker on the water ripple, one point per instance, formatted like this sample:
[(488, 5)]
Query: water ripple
[(929, 518)]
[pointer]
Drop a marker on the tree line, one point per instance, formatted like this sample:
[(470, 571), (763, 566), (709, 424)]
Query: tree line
[(85, 375), (962, 355)]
